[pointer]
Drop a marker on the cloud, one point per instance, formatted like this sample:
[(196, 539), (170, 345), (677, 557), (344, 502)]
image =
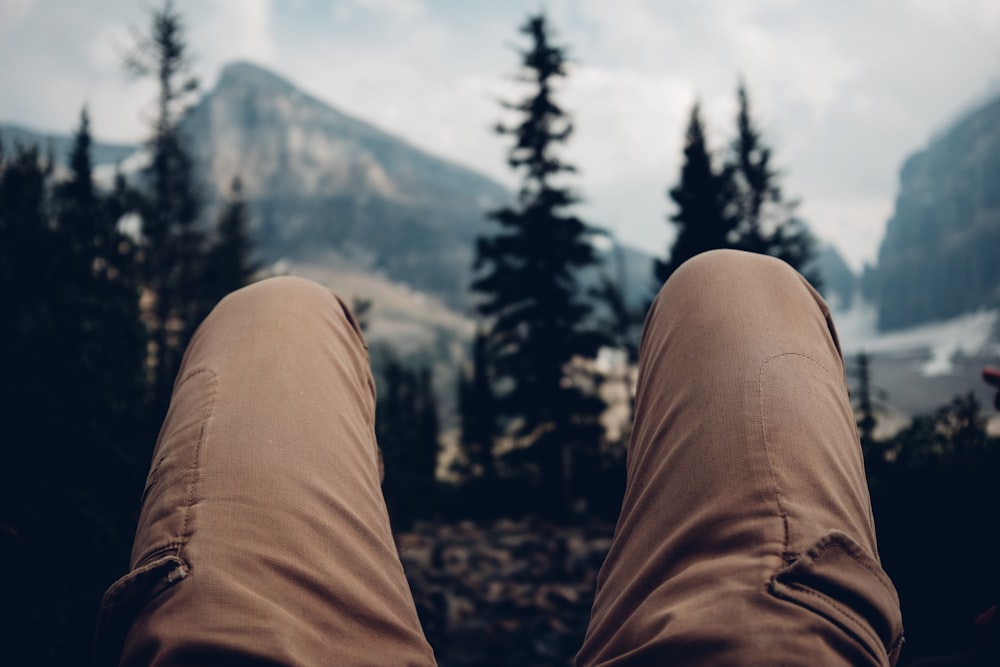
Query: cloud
[(854, 224), (12, 12), (975, 12), (632, 30), (843, 90), (229, 30), (398, 9), (626, 120)]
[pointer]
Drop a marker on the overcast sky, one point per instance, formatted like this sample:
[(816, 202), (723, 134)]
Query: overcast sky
[(844, 89)]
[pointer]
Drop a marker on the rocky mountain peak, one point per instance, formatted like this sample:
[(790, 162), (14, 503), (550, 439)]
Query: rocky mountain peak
[(282, 141), (939, 255), (318, 180)]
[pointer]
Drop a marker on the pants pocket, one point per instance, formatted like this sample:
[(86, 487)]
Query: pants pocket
[(838, 580), (127, 596)]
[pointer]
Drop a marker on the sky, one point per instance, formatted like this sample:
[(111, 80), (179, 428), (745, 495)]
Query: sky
[(844, 91)]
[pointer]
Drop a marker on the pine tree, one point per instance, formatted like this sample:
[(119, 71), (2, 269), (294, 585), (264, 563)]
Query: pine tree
[(477, 414), (173, 245), (230, 264), (702, 197), (527, 276), (765, 220), (71, 346), (101, 289), (865, 403), (407, 430)]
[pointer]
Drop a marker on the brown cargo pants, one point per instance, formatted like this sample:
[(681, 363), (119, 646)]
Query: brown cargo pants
[(745, 537)]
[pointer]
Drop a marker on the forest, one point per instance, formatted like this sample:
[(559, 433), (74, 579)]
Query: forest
[(97, 316)]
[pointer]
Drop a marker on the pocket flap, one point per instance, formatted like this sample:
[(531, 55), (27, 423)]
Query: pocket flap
[(127, 597), (837, 579)]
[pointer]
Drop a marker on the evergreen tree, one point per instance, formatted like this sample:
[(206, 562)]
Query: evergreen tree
[(71, 346), (702, 197), (477, 414), (865, 403), (740, 205), (101, 292), (407, 431), (173, 245), (940, 487), (527, 276), (765, 221), (230, 263)]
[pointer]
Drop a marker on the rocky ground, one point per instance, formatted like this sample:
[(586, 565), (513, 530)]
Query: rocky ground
[(508, 593)]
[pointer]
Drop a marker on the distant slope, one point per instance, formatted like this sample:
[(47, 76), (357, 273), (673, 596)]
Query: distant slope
[(941, 253), (318, 179), (838, 282), (62, 144), (326, 188)]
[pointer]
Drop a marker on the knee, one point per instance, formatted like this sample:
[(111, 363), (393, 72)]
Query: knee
[(282, 302), (721, 284), (276, 291), (287, 307), (727, 271), (727, 264)]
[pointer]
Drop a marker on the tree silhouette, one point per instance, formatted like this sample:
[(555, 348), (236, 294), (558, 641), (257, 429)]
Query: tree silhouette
[(765, 220), (407, 430), (865, 403), (703, 195), (938, 487), (737, 205), (172, 244), (477, 415), (526, 276), (230, 264), (71, 348)]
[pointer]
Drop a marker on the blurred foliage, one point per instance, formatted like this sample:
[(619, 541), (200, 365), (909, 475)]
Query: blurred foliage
[(72, 350), (407, 430), (935, 490), (738, 204), (527, 281), (93, 322)]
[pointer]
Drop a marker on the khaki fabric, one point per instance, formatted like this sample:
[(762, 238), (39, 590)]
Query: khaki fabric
[(746, 534), (263, 537), (745, 538)]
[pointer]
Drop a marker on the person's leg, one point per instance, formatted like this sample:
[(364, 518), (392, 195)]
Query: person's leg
[(746, 534), (264, 537)]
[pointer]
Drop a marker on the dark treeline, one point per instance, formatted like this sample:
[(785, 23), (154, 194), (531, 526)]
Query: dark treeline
[(531, 402), (530, 438), (935, 490), (95, 320), (738, 204)]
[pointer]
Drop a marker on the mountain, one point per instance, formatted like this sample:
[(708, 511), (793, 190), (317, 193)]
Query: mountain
[(318, 180), (940, 256), (838, 282), (62, 144), (337, 200), (324, 185)]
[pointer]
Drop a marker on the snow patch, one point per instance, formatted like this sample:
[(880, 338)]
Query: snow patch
[(970, 334)]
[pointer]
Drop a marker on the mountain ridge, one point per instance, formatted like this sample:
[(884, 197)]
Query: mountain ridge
[(940, 255), (101, 152)]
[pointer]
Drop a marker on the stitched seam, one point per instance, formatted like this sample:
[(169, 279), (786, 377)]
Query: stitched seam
[(196, 464), (863, 626), (154, 476), (882, 579), (159, 552), (767, 452)]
